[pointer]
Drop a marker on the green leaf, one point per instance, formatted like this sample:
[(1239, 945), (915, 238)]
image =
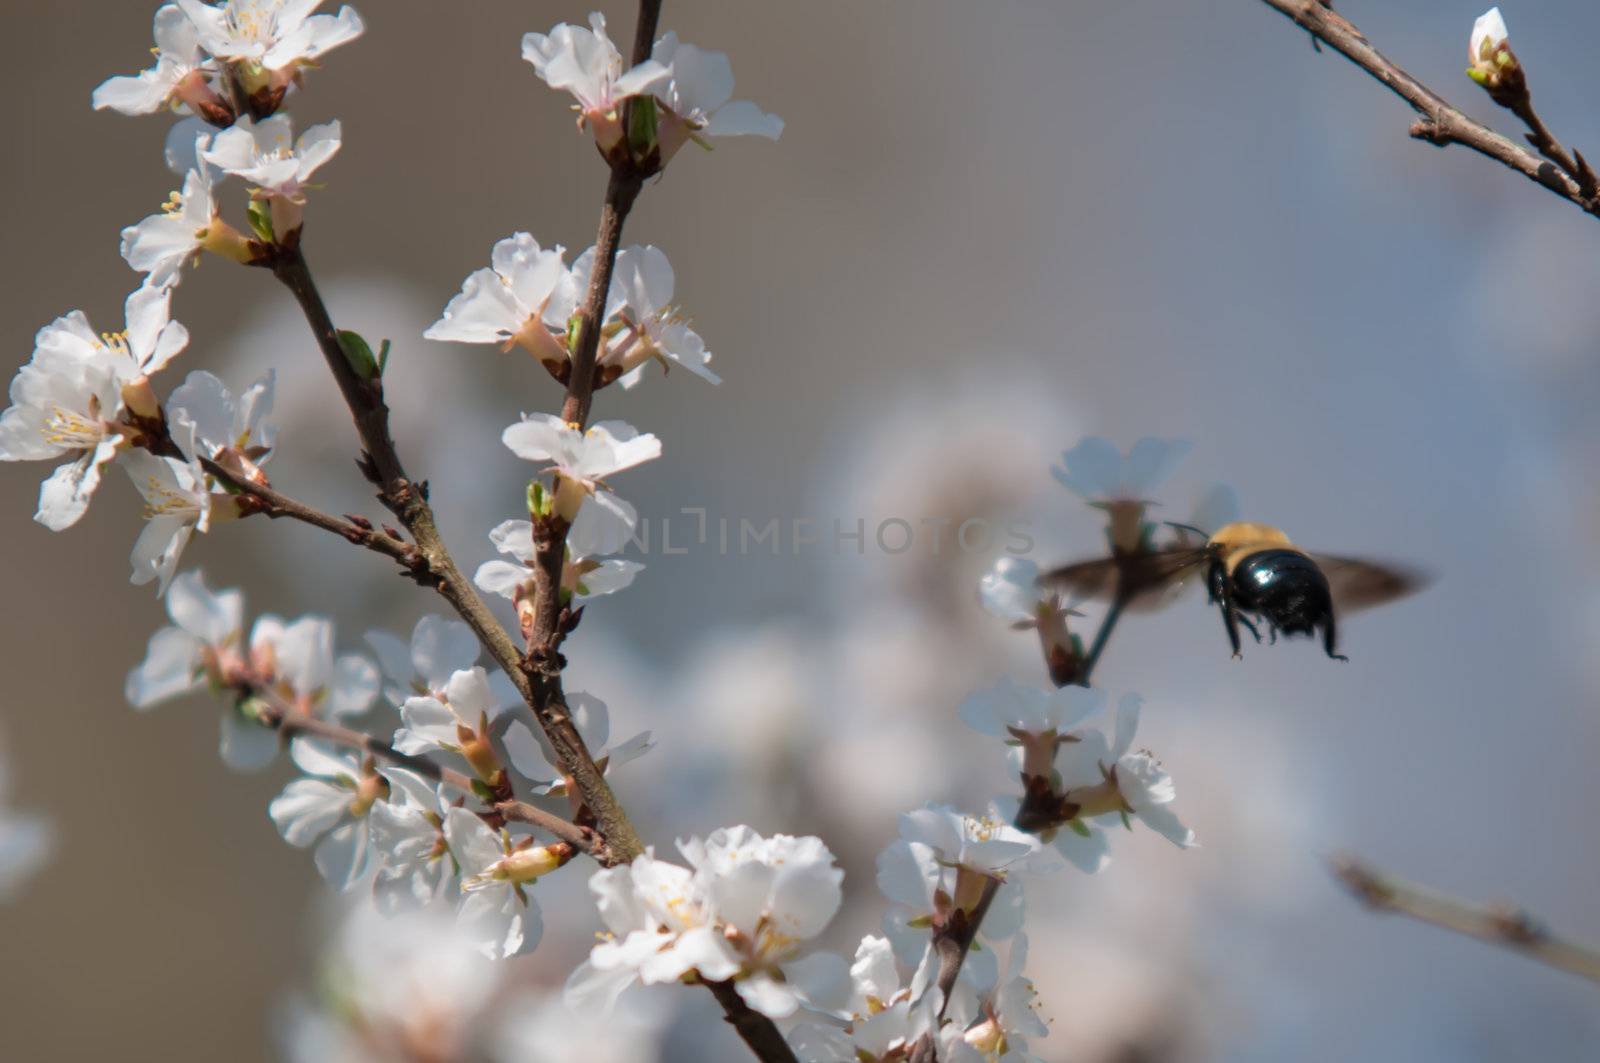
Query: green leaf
[(539, 500), (260, 214), (481, 788), (1078, 827), (359, 354)]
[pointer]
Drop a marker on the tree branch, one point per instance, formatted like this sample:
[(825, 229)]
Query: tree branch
[(381, 463), (358, 530), (1499, 925), (755, 1029), (1438, 122)]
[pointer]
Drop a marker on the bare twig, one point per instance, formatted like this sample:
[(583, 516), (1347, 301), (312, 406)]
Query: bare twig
[(1440, 123), (1499, 925), (354, 529)]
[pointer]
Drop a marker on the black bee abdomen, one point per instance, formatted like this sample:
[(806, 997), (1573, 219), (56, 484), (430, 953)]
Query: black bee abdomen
[(1284, 586)]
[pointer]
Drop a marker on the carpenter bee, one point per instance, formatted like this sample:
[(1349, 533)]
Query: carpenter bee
[(1254, 574)]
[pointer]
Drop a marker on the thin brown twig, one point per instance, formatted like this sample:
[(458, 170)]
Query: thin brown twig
[(1438, 121), (1499, 925), (358, 530)]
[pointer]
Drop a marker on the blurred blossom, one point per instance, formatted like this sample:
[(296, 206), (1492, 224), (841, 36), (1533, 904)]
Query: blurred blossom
[(26, 840), (409, 987), (538, 1027)]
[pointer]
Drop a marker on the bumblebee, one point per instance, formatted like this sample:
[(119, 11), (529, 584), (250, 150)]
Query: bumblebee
[(1255, 576)]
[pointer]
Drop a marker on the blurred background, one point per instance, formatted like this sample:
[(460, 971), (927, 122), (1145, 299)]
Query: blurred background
[(987, 231)]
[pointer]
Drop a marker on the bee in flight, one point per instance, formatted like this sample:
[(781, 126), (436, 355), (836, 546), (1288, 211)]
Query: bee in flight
[(1254, 574)]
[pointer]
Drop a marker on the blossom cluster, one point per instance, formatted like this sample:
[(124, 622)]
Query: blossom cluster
[(528, 297), (394, 831)]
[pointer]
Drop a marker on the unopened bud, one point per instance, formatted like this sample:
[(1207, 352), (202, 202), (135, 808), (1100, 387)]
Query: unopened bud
[(1492, 64), (140, 398), (220, 238)]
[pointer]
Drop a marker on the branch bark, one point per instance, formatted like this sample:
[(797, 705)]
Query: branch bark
[(1507, 926), (408, 500), (757, 1031), (1438, 122)]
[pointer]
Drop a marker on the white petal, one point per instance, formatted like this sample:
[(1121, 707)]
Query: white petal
[(501, 577), (440, 648), (307, 809), (743, 118), (246, 745), (341, 858), (170, 668)]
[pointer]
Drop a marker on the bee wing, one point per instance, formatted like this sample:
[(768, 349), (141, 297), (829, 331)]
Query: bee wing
[(1360, 584), (1150, 580)]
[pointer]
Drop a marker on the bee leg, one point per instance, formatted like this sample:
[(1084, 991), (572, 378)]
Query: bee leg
[(1217, 584), (1256, 634), (1328, 639)]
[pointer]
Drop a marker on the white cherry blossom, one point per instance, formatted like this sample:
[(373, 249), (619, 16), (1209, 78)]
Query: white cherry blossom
[(587, 64), (1111, 779), (438, 649), (1004, 1021), (231, 431), (1010, 591), (412, 855), (272, 34), (178, 502), (533, 757), (986, 845), (267, 155), (435, 721), (162, 244), (658, 928), (496, 912), (203, 646), (882, 1021), (1096, 471), (178, 79), (596, 530), (525, 298), (329, 809), (69, 401), (582, 459), (653, 327), (771, 896), (695, 86), (1037, 721), (296, 663), (922, 890)]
